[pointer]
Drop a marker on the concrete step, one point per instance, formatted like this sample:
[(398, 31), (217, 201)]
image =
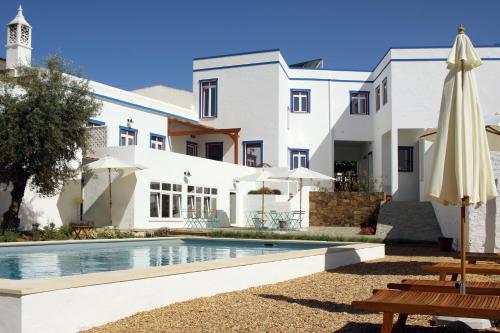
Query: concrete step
[(408, 220)]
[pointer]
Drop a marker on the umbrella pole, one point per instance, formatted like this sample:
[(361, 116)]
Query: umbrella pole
[(262, 215), (300, 203), (463, 246), (110, 199)]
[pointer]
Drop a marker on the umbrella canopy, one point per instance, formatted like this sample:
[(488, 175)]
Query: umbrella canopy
[(108, 163), (492, 129), (302, 174), (461, 170)]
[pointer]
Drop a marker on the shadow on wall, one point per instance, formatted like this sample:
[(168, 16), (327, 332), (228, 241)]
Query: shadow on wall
[(68, 202), (123, 188), (490, 226)]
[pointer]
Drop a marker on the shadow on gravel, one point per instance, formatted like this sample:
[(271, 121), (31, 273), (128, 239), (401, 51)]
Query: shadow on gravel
[(412, 250), (375, 328), (386, 268), (315, 304)]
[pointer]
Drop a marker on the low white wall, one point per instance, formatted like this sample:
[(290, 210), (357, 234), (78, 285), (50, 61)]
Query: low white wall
[(74, 309)]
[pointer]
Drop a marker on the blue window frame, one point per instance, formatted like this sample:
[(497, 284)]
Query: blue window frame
[(253, 153), (127, 136), (360, 102), (377, 98), (157, 141), (191, 148), (214, 151), (300, 100), (299, 157), (208, 98), (95, 123)]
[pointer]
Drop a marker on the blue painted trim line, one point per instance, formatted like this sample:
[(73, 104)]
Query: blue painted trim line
[(151, 134), (367, 102), (245, 143), (236, 54), (128, 129), (97, 122), (145, 108), (294, 150), (200, 108), (214, 144), (308, 91)]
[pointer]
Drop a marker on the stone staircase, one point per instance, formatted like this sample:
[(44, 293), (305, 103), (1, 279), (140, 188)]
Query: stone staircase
[(408, 221)]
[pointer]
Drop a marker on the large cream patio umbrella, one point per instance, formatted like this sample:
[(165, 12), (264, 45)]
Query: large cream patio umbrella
[(109, 163), (461, 171), (300, 174)]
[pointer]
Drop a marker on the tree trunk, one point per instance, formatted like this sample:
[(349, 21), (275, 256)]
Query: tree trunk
[(11, 217)]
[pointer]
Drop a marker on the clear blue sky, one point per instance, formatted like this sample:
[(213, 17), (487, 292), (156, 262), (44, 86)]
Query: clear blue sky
[(131, 44)]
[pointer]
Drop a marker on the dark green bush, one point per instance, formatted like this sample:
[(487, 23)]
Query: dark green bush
[(265, 190)]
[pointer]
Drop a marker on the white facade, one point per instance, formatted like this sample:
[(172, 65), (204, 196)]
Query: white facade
[(254, 93)]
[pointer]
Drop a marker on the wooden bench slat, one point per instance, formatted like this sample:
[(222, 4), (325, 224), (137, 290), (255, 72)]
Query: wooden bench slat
[(438, 304), (442, 267), (473, 287), (476, 256)]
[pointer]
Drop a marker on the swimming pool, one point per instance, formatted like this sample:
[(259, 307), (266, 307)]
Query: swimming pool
[(55, 260), (105, 280)]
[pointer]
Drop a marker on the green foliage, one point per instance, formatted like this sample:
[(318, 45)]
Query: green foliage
[(272, 235), (162, 232), (8, 236), (265, 190), (43, 113)]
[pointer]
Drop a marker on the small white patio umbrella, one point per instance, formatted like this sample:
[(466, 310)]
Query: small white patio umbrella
[(302, 174), (461, 170), (262, 176), (108, 163)]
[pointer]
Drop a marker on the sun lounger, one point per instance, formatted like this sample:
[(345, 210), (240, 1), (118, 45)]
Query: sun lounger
[(473, 287), (446, 268), (405, 303), (473, 257)]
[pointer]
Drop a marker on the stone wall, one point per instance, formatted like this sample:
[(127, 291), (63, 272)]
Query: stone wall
[(346, 209)]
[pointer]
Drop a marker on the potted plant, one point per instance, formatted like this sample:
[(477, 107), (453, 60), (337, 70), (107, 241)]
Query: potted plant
[(445, 244)]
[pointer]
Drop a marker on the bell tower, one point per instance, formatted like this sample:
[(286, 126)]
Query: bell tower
[(18, 41)]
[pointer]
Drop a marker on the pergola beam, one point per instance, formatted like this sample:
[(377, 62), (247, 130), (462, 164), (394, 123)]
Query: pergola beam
[(199, 129)]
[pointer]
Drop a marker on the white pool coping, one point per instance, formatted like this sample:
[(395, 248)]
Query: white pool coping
[(103, 297)]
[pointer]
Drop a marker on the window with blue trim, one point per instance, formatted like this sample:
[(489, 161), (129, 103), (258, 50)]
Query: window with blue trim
[(157, 142), (359, 102), (299, 158), (253, 151), (377, 98), (128, 137), (208, 98), (300, 100)]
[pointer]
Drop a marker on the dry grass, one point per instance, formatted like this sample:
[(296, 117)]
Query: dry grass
[(315, 303)]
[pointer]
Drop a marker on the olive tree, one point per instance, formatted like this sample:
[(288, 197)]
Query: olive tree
[(43, 115)]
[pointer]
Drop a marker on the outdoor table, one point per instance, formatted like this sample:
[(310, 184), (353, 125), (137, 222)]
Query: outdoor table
[(85, 230)]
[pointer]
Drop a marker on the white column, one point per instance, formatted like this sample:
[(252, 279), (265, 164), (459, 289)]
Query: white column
[(394, 161)]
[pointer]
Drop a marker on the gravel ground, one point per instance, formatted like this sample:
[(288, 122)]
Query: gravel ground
[(315, 303)]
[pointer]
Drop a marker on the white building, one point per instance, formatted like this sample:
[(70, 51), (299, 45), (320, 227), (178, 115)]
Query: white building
[(254, 108)]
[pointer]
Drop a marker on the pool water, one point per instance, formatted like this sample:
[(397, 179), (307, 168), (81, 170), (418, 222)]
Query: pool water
[(43, 261)]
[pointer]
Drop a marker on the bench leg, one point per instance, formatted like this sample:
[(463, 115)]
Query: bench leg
[(402, 319), (442, 276), (387, 322), (454, 277)]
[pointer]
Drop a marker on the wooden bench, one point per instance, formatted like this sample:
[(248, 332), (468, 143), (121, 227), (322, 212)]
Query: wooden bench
[(405, 303), (473, 257), (473, 287), (446, 268)]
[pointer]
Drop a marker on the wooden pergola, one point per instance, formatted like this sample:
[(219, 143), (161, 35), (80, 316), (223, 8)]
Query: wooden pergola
[(198, 129)]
